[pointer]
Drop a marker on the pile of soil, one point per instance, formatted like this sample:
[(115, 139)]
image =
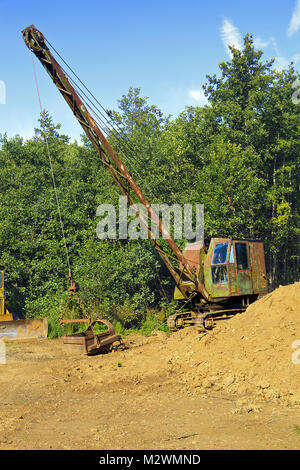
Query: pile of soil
[(256, 353)]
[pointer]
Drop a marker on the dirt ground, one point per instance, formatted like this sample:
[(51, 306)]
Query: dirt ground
[(234, 387), (128, 400)]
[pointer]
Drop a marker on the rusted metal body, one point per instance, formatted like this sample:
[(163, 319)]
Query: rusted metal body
[(20, 329), (235, 268), (234, 275), (218, 279), (88, 342)]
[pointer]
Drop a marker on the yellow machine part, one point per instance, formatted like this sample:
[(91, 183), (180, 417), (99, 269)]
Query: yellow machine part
[(19, 330), (177, 294), (6, 317), (22, 330)]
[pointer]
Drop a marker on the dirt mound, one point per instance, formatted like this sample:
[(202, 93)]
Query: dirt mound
[(254, 354), (257, 352)]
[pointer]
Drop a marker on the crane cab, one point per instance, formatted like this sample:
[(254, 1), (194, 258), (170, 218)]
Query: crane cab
[(235, 268), (227, 269)]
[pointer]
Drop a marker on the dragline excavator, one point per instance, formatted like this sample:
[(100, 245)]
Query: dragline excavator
[(217, 278)]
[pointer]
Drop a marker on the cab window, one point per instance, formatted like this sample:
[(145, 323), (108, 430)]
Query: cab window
[(241, 255), (219, 274), (220, 253), (219, 268), (231, 256), (1, 279)]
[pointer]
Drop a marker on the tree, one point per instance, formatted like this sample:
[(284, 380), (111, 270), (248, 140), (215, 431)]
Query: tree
[(250, 105), (32, 246)]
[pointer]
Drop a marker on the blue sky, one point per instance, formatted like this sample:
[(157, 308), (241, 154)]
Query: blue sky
[(165, 47)]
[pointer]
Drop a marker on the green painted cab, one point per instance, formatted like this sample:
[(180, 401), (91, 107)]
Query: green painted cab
[(235, 267)]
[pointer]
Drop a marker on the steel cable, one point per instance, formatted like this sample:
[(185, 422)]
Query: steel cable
[(51, 169)]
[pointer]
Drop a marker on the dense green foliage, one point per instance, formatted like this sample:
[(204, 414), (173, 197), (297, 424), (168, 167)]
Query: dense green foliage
[(238, 155)]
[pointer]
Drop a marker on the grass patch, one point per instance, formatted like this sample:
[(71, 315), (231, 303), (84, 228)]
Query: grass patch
[(151, 321), (125, 320)]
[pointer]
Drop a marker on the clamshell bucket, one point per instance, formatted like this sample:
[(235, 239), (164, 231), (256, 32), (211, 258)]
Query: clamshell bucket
[(89, 342)]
